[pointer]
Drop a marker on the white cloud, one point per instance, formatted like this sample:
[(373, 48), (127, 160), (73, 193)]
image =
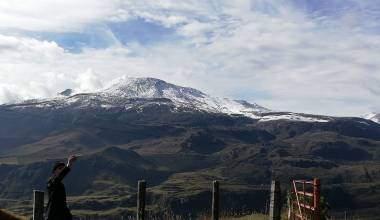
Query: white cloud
[(88, 81), (7, 96), (20, 48), (54, 15), (264, 51)]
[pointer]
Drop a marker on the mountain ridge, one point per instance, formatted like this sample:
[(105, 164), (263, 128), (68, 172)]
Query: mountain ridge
[(128, 92)]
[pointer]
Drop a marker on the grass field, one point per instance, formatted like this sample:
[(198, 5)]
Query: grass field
[(248, 217), (5, 215)]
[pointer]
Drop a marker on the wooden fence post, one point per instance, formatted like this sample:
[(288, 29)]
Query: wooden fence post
[(317, 198), (38, 205), (141, 200), (215, 200), (275, 201)]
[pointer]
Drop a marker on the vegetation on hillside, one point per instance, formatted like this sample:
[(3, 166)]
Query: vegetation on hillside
[(180, 153)]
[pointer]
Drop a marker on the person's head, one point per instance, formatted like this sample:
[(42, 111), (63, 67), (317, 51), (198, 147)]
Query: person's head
[(57, 168)]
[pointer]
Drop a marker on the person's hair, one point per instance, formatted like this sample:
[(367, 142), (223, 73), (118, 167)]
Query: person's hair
[(57, 165)]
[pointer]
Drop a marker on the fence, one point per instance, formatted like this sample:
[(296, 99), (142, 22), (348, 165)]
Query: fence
[(274, 213)]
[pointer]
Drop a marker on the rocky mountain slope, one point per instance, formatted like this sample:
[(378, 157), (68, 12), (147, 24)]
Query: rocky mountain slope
[(179, 140)]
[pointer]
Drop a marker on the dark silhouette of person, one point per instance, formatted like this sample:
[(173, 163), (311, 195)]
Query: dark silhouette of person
[(56, 208)]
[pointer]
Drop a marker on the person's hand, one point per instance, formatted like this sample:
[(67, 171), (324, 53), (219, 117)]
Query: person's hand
[(71, 160)]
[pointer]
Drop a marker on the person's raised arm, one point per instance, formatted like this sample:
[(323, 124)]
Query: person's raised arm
[(66, 169)]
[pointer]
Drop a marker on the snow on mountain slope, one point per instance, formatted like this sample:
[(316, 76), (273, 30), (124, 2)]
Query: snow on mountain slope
[(373, 117), (180, 96), (127, 92), (294, 117)]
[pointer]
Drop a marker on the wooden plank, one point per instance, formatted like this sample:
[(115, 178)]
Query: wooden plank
[(141, 188), (298, 201), (305, 193), (305, 206), (38, 205), (303, 181), (275, 201), (317, 199), (215, 200)]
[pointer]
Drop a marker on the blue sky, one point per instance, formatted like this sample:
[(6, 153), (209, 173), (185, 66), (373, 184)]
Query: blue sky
[(298, 55)]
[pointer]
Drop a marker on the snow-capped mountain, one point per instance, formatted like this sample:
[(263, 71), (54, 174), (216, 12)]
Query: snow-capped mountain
[(373, 117), (150, 88), (127, 93)]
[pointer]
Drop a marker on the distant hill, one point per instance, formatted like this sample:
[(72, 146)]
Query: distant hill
[(180, 139)]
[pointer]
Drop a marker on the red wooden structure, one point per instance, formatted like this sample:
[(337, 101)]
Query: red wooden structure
[(305, 201)]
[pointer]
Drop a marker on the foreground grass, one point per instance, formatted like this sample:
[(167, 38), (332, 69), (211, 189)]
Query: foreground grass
[(5, 215), (256, 216), (248, 217)]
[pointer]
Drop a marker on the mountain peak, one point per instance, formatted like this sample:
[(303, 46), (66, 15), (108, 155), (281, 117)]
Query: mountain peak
[(147, 87), (150, 88), (67, 92)]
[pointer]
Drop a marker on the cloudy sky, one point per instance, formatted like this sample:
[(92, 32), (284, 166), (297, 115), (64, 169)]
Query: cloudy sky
[(319, 56)]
